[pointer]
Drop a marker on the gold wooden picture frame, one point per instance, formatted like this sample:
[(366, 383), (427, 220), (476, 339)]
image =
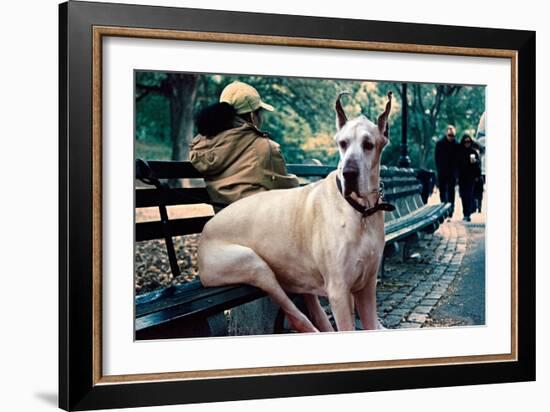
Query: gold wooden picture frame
[(83, 29)]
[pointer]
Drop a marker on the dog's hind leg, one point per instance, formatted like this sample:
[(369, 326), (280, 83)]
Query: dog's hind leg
[(223, 263), (318, 315)]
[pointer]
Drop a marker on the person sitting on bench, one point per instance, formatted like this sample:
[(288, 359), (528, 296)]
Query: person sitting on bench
[(236, 158)]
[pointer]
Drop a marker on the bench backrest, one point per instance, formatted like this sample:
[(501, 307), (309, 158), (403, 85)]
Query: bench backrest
[(401, 187)]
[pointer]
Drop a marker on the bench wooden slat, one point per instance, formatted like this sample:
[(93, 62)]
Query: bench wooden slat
[(180, 196), (173, 169), (408, 231), (178, 227), (309, 170), (179, 295), (187, 196), (222, 298), (413, 225), (145, 299), (391, 196), (419, 214), (167, 169)]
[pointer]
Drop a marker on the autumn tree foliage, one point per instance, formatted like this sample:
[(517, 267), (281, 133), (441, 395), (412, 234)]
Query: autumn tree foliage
[(304, 121)]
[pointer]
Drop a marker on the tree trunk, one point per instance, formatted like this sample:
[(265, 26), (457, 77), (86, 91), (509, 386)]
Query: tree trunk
[(183, 89)]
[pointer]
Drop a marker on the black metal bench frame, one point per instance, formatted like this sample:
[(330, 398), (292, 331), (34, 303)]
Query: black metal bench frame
[(193, 310)]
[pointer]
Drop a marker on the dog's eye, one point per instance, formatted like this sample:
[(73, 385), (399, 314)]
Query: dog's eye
[(343, 144), (367, 145)]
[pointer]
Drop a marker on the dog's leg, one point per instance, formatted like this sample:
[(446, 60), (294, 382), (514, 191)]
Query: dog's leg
[(341, 305), (318, 315), (366, 304), (229, 264)]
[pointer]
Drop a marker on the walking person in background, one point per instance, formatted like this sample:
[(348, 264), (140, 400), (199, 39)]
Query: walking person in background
[(469, 172), (480, 181), (479, 145), (446, 158)]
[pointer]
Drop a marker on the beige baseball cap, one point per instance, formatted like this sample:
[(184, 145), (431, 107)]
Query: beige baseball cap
[(243, 97)]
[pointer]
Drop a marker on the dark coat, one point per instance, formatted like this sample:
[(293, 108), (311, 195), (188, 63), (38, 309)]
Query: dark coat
[(446, 158), (468, 171)]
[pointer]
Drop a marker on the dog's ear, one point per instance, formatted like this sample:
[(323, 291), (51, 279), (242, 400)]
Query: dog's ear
[(341, 118), (383, 124)]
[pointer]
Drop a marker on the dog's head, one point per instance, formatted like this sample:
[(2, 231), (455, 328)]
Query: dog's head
[(361, 142)]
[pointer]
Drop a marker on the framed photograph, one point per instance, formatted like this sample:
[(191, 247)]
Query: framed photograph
[(257, 206)]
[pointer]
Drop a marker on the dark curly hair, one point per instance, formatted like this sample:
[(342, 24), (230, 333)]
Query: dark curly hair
[(215, 118)]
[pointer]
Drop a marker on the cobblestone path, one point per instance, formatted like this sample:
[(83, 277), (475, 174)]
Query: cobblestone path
[(411, 289)]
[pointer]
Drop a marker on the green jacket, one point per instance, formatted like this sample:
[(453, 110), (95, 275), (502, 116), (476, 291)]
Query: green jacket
[(239, 162)]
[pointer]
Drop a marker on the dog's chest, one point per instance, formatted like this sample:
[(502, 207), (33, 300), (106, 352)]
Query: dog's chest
[(363, 251)]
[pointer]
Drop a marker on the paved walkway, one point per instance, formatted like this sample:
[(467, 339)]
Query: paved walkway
[(416, 292), (464, 302)]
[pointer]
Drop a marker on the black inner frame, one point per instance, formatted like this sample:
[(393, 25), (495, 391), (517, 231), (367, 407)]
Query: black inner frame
[(76, 388)]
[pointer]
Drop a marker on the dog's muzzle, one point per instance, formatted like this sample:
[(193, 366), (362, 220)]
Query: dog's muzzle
[(351, 177)]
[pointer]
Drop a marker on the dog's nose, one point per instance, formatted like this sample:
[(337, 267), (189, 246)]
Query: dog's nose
[(350, 173)]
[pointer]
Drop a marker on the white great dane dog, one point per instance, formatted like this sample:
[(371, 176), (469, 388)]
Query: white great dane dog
[(323, 239)]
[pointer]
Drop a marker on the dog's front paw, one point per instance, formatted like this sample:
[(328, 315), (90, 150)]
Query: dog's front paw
[(380, 326)]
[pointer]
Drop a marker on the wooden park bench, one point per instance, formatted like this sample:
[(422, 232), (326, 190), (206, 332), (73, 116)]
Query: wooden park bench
[(191, 310)]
